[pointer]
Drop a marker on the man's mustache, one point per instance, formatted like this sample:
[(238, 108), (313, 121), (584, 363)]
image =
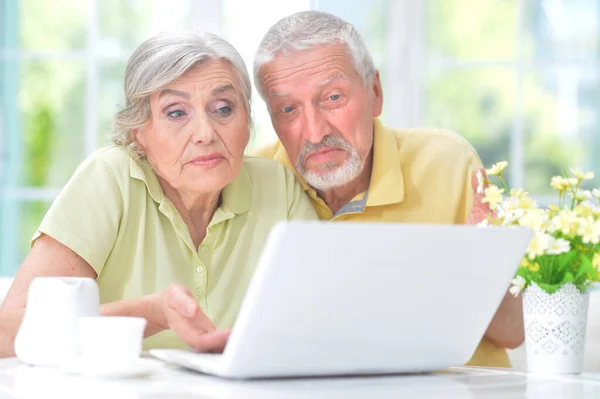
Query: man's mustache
[(328, 141)]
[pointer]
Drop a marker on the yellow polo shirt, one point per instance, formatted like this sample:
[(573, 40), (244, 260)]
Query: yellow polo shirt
[(418, 176), (113, 214)]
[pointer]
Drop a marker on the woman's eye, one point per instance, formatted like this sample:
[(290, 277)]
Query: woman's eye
[(224, 110), (287, 110), (334, 97), (176, 114)]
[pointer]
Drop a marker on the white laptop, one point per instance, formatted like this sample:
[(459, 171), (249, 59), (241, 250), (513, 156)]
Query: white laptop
[(365, 298)]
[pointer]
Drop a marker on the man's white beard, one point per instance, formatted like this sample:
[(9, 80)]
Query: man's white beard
[(330, 176)]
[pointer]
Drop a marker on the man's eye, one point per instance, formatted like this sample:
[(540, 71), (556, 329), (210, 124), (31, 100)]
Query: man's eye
[(176, 114), (334, 97), (287, 110)]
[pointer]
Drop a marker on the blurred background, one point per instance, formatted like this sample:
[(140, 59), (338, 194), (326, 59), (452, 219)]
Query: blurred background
[(520, 79)]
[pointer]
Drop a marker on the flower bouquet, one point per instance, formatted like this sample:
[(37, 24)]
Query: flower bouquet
[(560, 265)]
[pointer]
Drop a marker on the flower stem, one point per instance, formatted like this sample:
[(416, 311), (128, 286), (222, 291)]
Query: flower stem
[(504, 183)]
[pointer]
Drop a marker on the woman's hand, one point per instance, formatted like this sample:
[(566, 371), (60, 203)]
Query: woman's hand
[(181, 314)]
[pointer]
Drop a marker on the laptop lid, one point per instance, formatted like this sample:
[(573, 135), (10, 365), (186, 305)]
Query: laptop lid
[(362, 298)]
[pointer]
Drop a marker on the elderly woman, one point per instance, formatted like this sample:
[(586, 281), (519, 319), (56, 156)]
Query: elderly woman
[(171, 221)]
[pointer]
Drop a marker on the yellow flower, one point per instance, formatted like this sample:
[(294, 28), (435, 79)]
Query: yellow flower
[(596, 260), (589, 230), (559, 183), (584, 210), (497, 168), (534, 267), (517, 193), (553, 209), (493, 196), (580, 175)]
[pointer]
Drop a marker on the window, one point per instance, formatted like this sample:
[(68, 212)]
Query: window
[(518, 78)]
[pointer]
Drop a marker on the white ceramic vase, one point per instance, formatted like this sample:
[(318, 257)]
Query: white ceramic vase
[(555, 326), (48, 335)]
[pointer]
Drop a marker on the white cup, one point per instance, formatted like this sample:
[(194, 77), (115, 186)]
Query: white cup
[(111, 341), (48, 333)]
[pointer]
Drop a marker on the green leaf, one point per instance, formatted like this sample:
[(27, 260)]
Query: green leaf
[(586, 268), (565, 260)]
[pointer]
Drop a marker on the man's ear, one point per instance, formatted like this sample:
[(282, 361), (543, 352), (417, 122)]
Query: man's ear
[(377, 92)]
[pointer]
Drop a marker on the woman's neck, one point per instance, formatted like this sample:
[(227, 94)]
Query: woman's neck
[(195, 209)]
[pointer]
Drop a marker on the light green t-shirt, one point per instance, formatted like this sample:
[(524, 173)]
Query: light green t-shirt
[(114, 215)]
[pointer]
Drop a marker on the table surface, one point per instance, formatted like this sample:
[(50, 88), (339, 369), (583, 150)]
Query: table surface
[(20, 381)]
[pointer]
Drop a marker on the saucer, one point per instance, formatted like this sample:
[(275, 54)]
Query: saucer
[(141, 367)]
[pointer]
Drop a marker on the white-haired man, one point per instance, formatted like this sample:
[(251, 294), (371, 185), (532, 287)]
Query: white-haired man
[(324, 96)]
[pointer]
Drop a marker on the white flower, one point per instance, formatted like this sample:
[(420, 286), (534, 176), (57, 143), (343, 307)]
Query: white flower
[(518, 284), (596, 193), (538, 245), (566, 222), (497, 168), (512, 216), (483, 223), (479, 182), (580, 175), (493, 196), (534, 219), (557, 246), (583, 195), (589, 230)]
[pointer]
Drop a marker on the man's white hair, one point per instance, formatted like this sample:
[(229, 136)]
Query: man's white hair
[(308, 29)]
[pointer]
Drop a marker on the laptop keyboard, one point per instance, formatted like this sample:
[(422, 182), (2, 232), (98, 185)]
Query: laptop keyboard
[(198, 361)]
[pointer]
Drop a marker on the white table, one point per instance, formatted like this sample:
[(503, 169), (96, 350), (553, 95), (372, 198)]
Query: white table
[(20, 381)]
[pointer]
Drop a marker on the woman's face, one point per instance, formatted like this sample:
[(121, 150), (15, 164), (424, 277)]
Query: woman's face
[(198, 131)]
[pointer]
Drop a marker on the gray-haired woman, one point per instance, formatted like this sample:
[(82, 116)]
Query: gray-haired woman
[(172, 219)]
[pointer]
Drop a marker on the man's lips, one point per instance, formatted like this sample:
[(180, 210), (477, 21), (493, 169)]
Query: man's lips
[(323, 155)]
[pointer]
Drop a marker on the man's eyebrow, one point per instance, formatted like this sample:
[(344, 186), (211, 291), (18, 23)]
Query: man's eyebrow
[(331, 79), (179, 93), (278, 94), (322, 84)]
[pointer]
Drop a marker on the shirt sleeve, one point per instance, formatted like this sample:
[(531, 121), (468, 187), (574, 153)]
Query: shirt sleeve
[(86, 214), (299, 205), (466, 201)]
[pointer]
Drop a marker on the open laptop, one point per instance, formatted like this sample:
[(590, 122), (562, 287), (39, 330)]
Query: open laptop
[(365, 298)]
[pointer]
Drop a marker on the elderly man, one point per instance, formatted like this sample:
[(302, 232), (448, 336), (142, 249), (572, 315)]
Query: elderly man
[(324, 96)]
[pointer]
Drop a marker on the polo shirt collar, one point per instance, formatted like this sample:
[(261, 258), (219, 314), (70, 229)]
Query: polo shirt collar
[(236, 196), (387, 182)]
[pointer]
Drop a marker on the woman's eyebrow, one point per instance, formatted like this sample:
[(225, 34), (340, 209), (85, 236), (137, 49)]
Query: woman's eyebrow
[(179, 93)]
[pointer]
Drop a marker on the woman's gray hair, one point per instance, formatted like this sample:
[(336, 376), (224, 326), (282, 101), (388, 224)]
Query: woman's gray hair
[(307, 29), (161, 60)]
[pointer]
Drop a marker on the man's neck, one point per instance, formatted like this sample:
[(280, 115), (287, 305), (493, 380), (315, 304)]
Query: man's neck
[(337, 197)]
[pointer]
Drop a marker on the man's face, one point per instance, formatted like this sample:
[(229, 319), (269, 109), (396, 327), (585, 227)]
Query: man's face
[(322, 112)]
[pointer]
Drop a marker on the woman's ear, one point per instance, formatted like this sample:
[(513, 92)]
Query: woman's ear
[(137, 135)]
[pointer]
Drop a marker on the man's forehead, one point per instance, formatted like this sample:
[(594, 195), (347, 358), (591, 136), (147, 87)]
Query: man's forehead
[(290, 57)]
